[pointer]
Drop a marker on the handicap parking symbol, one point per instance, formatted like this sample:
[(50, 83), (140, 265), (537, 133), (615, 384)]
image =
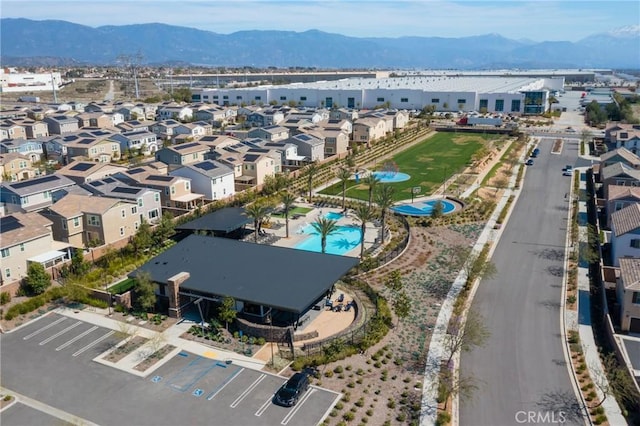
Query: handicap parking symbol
[(156, 379), (198, 392)]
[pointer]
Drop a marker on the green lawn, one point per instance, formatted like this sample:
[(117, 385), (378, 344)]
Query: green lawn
[(428, 163), (122, 286), (294, 210)]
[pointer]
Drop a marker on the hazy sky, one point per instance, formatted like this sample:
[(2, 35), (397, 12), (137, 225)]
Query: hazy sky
[(536, 20)]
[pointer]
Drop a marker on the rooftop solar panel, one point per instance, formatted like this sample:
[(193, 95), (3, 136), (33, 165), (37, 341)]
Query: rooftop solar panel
[(185, 146), (82, 167), (303, 137), (136, 171), (161, 178), (9, 223), (37, 181), (96, 183), (206, 165), (86, 141), (250, 157), (125, 190), (109, 180)]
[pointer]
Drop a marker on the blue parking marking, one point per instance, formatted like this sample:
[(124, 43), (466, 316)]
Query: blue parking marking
[(198, 392), (191, 373), (184, 354), (156, 379)]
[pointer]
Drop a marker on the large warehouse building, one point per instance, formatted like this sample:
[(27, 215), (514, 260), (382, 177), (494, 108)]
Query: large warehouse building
[(518, 95)]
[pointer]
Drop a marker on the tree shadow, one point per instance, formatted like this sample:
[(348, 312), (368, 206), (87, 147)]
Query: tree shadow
[(550, 304), (562, 403), (551, 254), (555, 271)]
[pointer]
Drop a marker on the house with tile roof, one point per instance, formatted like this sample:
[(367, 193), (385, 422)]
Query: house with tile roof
[(148, 200), (86, 171), (619, 198), (16, 167), (27, 238), (183, 154), (270, 133), (61, 124), (628, 295), (618, 174), (142, 141), (620, 155), (33, 194), (175, 191), (84, 221), (625, 233), (211, 178)]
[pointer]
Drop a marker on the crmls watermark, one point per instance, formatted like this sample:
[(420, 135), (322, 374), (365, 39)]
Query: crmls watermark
[(536, 417)]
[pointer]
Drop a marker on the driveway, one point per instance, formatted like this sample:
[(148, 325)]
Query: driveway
[(522, 368)]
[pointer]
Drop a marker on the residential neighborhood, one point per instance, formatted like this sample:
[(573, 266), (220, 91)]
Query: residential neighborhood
[(304, 246)]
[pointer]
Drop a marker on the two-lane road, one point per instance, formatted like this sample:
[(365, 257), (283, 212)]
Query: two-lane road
[(522, 369)]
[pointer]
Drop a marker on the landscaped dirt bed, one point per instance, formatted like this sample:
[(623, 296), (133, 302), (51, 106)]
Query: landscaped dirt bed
[(120, 352), (154, 358)]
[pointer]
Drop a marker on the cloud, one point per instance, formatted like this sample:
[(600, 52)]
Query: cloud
[(539, 20)]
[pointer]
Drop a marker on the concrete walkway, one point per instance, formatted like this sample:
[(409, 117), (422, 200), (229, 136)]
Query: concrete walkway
[(170, 336), (582, 322)]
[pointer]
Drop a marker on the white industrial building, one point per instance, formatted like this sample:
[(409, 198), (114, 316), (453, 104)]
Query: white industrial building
[(11, 81), (518, 95)]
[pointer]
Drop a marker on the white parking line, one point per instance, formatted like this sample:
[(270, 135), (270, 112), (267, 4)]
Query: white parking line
[(267, 403), (92, 344), (35, 333), (75, 339), (247, 391), (237, 373), (60, 333), (292, 413)]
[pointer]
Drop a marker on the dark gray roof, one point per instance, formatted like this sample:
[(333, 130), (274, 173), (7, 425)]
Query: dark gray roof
[(223, 220), (283, 278)]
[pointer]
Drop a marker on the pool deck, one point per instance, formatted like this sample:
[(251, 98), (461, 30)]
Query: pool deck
[(295, 237)]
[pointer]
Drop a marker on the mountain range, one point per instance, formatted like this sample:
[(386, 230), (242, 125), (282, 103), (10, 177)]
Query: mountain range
[(24, 41)]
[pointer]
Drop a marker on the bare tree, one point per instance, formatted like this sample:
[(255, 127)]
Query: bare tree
[(451, 384), (465, 334)]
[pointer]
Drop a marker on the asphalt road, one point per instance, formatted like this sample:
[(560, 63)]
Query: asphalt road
[(522, 367)]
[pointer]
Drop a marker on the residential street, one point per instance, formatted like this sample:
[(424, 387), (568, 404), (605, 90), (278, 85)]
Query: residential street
[(522, 367)]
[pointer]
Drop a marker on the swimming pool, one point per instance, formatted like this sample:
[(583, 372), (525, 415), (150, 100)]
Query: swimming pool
[(346, 239), (334, 216), (423, 208), (391, 177)]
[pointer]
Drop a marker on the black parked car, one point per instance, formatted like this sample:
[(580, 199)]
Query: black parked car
[(291, 391)]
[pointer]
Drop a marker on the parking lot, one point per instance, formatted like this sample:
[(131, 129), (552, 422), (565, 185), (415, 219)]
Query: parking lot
[(51, 361)]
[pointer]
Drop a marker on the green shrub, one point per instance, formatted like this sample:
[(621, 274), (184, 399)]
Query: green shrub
[(443, 418), (339, 406), (391, 403), (7, 398), (600, 418), (401, 417), (328, 373), (5, 298), (348, 416)]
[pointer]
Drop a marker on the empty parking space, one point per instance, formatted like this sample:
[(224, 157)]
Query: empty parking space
[(69, 336), (186, 387)]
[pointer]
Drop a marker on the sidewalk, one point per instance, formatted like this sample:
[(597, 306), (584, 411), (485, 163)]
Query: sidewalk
[(582, 322), (171, 336)]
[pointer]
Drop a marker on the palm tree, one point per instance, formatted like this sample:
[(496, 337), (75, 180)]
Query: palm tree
[(311, 171), (384, 199), (364, 215), (325, 227), (343, 174), (257, 212), (287, 199), (372, 181)]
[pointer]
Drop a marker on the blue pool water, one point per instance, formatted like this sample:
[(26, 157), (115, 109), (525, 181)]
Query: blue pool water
[(390, 177), (347, 238), (423, 208), (333, 216)]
